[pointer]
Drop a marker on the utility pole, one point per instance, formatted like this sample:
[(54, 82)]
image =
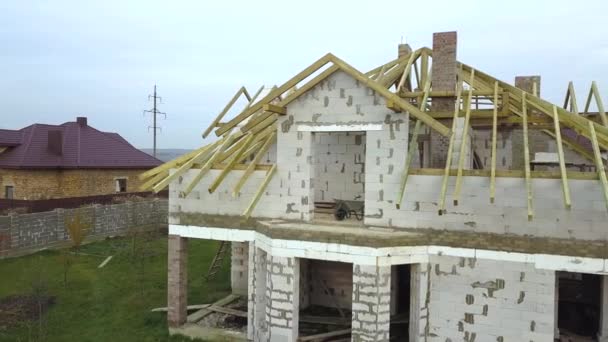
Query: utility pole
[(154, 111)]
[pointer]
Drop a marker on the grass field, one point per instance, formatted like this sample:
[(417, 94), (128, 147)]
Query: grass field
[(108, 304)]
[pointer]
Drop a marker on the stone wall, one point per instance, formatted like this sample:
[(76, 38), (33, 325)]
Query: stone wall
[(46, 184), (466, 299), (339, 166), (25, 233)]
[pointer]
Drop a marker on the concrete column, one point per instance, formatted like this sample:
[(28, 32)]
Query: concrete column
[(282, 298), (602, 335), (177, 286), (239, 267), (371, 303)]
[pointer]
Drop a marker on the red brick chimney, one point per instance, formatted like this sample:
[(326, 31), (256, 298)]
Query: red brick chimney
[(444, 70)]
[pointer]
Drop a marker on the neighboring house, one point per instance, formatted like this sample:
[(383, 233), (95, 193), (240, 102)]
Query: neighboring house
[(68, 160), (485, 208)]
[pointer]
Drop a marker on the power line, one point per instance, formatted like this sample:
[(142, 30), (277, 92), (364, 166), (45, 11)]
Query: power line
[(155, 112)]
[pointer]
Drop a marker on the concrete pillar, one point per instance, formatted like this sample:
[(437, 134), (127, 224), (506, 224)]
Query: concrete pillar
[(371, 303), (282, 298), (239, 267), (602, 335), (257, 327), (443, 77), (177, 286)]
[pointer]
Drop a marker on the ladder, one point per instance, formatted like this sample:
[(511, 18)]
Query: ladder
[(216, 264)]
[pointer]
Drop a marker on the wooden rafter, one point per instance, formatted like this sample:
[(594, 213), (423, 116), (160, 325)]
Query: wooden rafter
[(562, 162), (448, 160), (599, 163), (594, 92), (254, 162), (463, 141), (229, 105), (524, 109), (571, 99), (260, 191), (494, 138)]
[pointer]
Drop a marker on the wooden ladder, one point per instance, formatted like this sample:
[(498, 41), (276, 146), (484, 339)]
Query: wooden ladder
[(216, 264)]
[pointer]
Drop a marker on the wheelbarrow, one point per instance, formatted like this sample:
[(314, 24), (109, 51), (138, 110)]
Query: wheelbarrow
[(345, 208)]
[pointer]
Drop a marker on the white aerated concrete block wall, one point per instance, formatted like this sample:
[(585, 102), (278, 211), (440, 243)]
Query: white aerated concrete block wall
[(385, 161), (480, 300), (282, 298), (586, 220), (339, 166), (339, 103), (371, 308), (239, 267)]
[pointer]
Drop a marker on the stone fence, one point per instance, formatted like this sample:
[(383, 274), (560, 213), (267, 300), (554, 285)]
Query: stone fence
[(26, 233)]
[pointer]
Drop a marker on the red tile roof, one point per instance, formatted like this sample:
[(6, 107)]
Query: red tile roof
[(82, 147)]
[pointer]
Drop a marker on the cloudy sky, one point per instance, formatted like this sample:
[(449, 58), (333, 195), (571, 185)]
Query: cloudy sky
[(100, 59)]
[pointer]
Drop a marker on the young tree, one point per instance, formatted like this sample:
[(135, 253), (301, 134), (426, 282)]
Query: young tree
[(77, 230)]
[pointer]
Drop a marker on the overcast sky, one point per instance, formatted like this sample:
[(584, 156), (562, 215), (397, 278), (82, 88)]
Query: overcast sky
[(62, 59)]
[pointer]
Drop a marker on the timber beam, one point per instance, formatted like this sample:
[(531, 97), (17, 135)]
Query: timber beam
[(269, 107)]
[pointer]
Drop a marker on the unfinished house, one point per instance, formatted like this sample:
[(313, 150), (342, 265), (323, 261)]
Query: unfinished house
[(423, 200)]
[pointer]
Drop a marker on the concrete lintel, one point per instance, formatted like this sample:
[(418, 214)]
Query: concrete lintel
[(385, 256)]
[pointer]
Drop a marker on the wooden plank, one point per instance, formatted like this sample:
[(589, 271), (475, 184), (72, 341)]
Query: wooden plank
[(599, 163), (424, 67), (446, 93), (524, 109), (201, 156), (258, 193), (406, 70), (227, 311), (465, 133), (255, 96), (170, 164), (323, 336), (598, 101), (448, 160), (198, 315), (275, 93), (224, 111), (413, 146), (571, 95), (252, 166), (150, 182), (220, 178), (242, 167), (189, 307), (508, 174), (562, 162), (269, 107), (226, 141), (494, 138)]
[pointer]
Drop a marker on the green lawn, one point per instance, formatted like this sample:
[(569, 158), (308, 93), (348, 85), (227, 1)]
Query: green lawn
[(112, 303)]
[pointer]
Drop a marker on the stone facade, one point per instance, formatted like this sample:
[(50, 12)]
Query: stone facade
[(27, 233), (47, 184)]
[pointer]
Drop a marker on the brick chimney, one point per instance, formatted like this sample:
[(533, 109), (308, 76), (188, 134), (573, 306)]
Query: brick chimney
[(82, 121), (444, 68), (403, 50), (55, 142), (527, 83), (443, 77)]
